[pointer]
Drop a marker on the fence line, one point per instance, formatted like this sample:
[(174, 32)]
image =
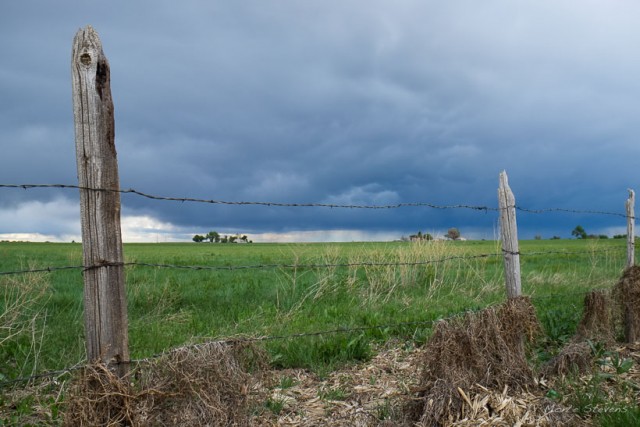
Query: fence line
[(82, 364), (302, 266), (321, 205)]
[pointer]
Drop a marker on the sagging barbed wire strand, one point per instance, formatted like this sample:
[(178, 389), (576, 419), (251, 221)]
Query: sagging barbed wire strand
[(232, 340), (258, 203), (321, 205)]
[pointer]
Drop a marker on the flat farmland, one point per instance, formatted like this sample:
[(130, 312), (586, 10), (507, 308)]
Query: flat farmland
[(187, 293)]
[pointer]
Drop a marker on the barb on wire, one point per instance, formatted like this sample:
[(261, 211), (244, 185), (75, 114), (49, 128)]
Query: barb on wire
[(506, 252)]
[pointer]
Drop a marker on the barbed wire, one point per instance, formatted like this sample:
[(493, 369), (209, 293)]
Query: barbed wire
[(43, 270), (321, 205), (303, 266), (46, 374), (576, 211), (258, 203), (233, 340), (565, 294), (455, 315), (244, 339), (314, 266), (236, 340)]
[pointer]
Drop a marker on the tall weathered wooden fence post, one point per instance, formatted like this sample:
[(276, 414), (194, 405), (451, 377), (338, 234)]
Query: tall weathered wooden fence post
[(105, 305), (631, 225), (509, 237)]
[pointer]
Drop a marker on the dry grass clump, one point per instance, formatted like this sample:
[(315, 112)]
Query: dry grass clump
[(626, 294), (204, 385), (575, 357), (596, 323), (99, 397), (596, 326), (485, 348), (600, 321)]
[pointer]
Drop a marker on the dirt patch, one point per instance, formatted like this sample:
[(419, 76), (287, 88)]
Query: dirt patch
[(370, 394)]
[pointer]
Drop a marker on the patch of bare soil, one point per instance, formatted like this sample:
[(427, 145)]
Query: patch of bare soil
[(371, 394)]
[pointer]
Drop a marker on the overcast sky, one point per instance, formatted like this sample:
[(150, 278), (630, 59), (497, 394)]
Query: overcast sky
[(345, 102)]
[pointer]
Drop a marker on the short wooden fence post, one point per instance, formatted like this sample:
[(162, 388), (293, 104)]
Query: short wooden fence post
[(105, 305), (631, 225), (509, 237)]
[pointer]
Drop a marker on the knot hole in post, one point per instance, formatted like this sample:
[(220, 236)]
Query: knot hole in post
[(102, 76), (85, 58)]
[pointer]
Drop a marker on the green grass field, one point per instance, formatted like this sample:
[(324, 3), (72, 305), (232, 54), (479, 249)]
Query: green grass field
[(169, 307), (374, 290)]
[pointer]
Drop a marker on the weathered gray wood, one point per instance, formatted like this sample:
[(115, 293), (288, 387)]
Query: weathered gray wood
[(105, 306), (631, 225), (509, 237), (630, 315)]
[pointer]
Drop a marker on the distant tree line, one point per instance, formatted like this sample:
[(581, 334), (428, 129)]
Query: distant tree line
[(452, 234), (215, 237), (580, 233), (420, 236)]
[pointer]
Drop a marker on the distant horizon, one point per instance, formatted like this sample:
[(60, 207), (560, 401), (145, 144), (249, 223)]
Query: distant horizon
[(275, 238)]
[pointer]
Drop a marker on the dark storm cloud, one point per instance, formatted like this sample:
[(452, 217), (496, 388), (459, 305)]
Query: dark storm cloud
[(346, 102)]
